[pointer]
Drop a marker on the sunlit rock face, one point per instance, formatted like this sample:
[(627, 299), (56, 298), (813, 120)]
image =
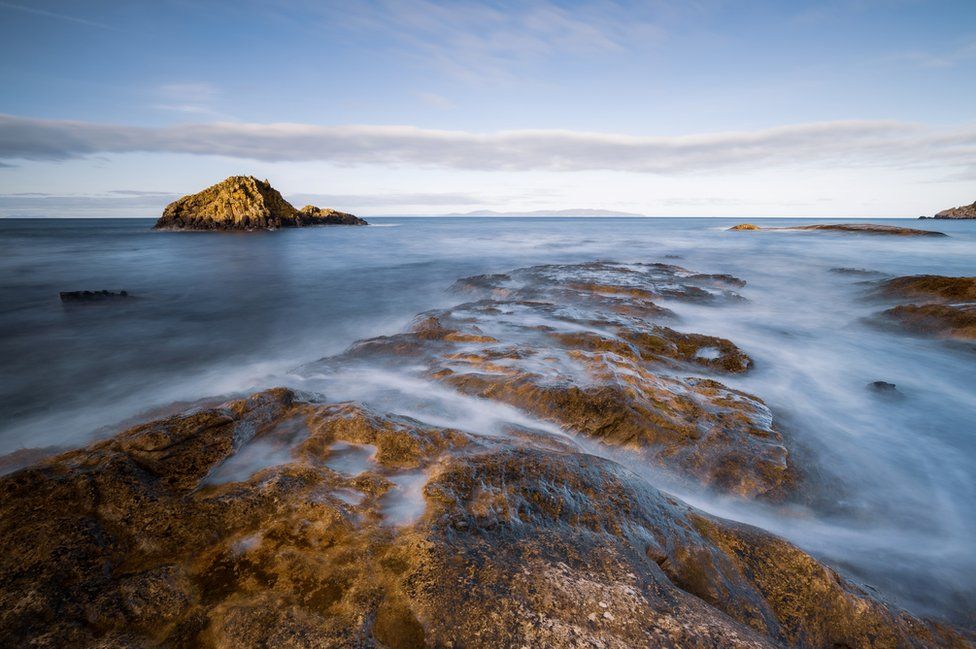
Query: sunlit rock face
[(162, 537), (963, 212), (245, 203), (940, 306), (312, 215), (284, 519)]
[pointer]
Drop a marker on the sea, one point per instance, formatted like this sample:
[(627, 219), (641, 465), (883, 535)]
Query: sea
[(214, 315)]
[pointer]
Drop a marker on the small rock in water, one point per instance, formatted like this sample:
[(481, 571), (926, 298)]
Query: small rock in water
[(884, 388), (93, 296)]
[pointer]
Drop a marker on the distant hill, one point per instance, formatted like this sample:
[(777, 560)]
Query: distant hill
[(573, 212)]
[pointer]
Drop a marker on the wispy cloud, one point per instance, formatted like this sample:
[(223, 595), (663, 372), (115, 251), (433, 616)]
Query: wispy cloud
[(113, 203), (56, 15), (489, 41), (838, 143), (194, 98), (412, 199)]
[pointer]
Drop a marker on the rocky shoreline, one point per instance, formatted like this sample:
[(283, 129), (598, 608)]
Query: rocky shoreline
[(375, 529)]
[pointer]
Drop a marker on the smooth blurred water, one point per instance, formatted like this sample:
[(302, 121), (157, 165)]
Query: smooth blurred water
[(218, 313)]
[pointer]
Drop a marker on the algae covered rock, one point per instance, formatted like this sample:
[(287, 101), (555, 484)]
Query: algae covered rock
[(169, 535), (940, 306), (244, 203)]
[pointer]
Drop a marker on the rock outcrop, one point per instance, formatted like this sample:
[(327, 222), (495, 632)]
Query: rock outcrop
[(963, 212), (860, 228), (585, 346), (941, 306), (326, 216), (244, 203), (169, 535)]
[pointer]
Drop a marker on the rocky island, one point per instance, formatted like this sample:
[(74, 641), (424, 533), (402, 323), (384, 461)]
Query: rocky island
[(962, 212), (245, 203)]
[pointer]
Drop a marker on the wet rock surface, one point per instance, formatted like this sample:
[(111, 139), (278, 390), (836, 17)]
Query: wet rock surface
[(133, 542), (244, 203), (941, 306), (583, 346), (862, 228), (284, 519)]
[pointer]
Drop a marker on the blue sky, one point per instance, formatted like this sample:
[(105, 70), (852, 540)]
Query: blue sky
[(854, 108)]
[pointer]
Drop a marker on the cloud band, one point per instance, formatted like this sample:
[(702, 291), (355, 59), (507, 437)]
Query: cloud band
[(852, 143)]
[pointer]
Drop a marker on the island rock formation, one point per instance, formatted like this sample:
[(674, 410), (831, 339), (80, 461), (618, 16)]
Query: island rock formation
[(963, 212), (244, 203)]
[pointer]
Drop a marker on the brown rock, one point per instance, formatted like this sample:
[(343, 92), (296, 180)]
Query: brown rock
[(745, 226), (946, 306), (857, 228), (243, 203), (132, 542), (964, 212), (313, 215), (931, 288)]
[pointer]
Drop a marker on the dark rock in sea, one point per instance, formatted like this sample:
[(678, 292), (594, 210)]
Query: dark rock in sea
[(165, 535), (92, 296), (858, 228), (941, 306), (886, 390), (963, 212), (864, 272), (244, 203), (882, 386)]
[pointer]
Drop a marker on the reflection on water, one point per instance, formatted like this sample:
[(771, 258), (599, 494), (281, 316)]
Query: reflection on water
[(895, 498)]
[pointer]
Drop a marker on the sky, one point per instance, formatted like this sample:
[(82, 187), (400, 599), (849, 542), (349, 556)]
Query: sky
[(664, 108)]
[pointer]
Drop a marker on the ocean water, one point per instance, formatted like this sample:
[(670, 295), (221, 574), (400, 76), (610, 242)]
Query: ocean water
[(220, 314)]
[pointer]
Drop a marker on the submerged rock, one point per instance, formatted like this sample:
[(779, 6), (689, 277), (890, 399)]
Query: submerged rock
[(862, 228), (931, 288), (244, 203), (963, 212), (942, 306), (579, 345), (133, 542), (92, 296)]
